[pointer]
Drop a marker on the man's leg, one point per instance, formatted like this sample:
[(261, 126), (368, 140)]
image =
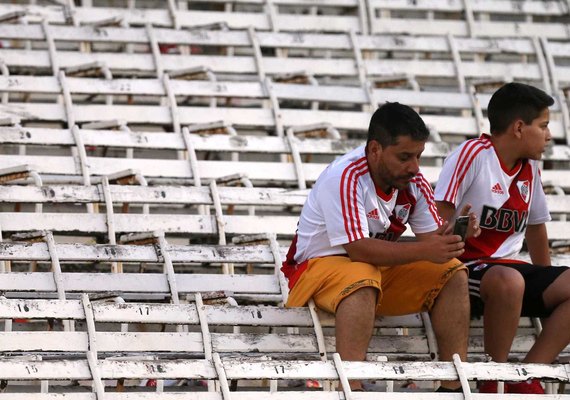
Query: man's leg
[(501, 290), (450, 320), (355, 316), (555, 334)]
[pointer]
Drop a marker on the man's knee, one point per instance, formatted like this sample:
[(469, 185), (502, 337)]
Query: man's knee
[(367, 294), (504, 282), (459, 280), (457, 285), (365, 297)]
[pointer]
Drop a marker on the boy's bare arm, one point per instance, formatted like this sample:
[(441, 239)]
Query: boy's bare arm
[(446, 211), (537, 244)]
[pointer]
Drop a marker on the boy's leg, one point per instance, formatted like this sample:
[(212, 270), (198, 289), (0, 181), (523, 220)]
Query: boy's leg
[(555, 334), (501, 291), (511, 289)]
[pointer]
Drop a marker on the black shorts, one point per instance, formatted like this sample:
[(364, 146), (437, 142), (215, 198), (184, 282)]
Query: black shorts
[(536, 278)]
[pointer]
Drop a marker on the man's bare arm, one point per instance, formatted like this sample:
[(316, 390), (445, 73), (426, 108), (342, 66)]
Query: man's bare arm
[(437, 247)]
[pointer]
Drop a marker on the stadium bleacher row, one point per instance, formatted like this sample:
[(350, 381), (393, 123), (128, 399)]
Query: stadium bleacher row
[(154, 159)]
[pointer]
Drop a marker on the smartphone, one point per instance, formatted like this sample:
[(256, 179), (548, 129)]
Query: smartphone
[(460, 227)]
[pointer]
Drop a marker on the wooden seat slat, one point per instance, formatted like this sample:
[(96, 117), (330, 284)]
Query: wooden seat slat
[(106, 342), (139, 283), (337, 67), (136, 253), (209, 143), (182, 314), (183, 195), (295, 40), (261, 118), (478, 6), (502, 29)]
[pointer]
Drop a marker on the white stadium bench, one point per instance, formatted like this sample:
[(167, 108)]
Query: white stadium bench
[(125, 128), (473, 18), (454, 60), (194, 331)]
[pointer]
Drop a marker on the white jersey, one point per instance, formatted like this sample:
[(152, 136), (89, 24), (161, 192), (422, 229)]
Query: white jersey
[(345, 206), (505, 201)]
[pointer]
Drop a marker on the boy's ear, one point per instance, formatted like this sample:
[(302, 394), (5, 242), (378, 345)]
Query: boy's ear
[(518, 126)]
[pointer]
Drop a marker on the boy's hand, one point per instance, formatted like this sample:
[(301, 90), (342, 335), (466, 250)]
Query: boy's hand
[(473, 228)]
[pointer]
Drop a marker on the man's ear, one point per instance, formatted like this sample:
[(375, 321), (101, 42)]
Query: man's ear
[(374, 148)]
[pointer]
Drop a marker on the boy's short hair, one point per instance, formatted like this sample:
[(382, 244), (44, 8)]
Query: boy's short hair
[(394, 119), (515, 101)]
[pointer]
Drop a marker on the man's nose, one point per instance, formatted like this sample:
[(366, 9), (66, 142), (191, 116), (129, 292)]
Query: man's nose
[(414, 166)]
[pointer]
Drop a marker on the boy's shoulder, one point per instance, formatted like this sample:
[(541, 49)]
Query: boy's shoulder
[(472, 149), (482, 142)]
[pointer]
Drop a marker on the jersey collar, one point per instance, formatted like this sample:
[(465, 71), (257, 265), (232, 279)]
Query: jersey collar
[(384, 196), (510, 172)]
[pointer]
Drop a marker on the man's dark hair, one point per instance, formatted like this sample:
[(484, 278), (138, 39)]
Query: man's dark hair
[(515, 101), (394, 119)]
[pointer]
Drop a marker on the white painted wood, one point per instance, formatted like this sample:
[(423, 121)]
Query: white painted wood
[(152, 168), (180, 313), (131, 223), (251, 369), (320, 3), (106, 341), (262, 118), (157, 17), (153, 195), (140, 283), (109, 369), (299, 40), (137, 253), (172, 141), (142, 396), (558, 49), (272, 65), (459, 28), (397, 345), (146, 313), (255, 370), (532, 7), (16, 369), (392, 370), (343, 94), (283, 395), (183, 195)]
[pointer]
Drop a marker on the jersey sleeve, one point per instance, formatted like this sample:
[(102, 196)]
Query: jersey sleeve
[(457, 174), (342, 202), (538, 212), (425, 217)]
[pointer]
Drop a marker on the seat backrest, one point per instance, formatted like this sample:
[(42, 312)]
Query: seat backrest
[(482, 18)]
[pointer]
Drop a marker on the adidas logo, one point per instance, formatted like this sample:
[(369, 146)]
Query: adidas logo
[(497, 189), (373, 214)]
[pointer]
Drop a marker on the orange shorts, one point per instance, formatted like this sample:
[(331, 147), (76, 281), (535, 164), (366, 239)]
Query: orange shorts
[(402, 289)]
